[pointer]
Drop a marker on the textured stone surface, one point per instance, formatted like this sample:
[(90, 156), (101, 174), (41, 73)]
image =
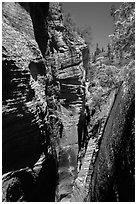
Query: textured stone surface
[(67, 62), (113, 176), (105, 171), (86, 164), (40, 65), (43, 103), (33, 185), (19, 129)]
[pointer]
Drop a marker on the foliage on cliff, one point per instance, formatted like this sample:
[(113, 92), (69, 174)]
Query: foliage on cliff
[(123, 38), (109, 69)]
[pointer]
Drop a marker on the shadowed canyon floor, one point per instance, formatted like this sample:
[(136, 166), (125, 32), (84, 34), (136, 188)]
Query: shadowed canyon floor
[(68, 154)]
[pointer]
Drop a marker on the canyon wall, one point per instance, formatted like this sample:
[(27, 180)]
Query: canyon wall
[(20, 126), (42, 96), (108, 167), (45, 155), (113, 177)]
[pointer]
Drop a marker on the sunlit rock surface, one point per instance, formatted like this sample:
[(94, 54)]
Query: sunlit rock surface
[(20, 131), (43, 78)]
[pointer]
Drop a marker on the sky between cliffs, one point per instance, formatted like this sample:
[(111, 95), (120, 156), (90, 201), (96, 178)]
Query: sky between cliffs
[(96, 15)]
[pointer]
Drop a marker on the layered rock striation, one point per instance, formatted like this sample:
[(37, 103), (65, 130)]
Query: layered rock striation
[(46, 131), (18, 118), (43, 78)]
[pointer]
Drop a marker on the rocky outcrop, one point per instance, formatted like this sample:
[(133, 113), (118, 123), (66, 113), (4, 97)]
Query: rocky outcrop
[(24, 110), (107, 171), (43, 78), (88, 155), (27, 184), (44, 121), (18, 118), (113, 176), (67, 62)]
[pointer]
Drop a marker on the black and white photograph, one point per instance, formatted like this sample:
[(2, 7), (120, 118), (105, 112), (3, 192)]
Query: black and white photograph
[(68, 101)]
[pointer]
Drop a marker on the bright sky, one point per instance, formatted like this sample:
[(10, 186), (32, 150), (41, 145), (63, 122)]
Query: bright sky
[(96, 15)]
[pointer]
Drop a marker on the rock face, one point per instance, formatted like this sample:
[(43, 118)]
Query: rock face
[(18, 118), (108, 167), (86, 163), (66, 61), (43, 113), (43, 78), (114, 172)]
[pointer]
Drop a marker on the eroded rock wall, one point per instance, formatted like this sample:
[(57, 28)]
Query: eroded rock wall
[(19, 49), (66, 60), (27, 154), (113, 177), (107, 170), (43, 92)]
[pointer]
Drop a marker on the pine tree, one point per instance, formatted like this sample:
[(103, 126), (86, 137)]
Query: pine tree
[(102, 49), (108, 51), (98, 51)]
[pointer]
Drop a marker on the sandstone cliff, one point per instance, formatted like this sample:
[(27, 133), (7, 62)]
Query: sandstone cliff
[(54, 146), (108, 167), (43, 76), (114, 173)]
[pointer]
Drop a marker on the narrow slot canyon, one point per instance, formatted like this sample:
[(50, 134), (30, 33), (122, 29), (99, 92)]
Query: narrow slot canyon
[(57, 145)]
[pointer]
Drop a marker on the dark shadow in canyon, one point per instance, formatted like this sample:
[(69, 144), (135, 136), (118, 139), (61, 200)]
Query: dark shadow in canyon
[(32, 186)]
